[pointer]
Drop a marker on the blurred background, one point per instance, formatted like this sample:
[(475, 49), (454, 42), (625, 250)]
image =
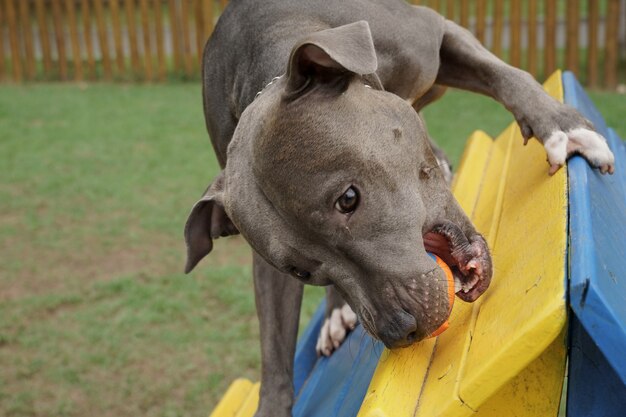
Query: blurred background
[(103, 151)]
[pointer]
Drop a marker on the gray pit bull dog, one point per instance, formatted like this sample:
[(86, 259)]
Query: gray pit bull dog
[(329, 173)]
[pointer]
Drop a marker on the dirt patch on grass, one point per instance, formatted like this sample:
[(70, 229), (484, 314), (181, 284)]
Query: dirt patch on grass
[(34, 269)]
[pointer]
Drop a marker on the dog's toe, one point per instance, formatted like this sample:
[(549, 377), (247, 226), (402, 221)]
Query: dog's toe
[(335, 329), (324, 344), (580, 141), (348, 316)]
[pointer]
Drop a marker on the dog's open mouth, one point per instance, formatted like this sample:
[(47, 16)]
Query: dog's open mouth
[(468, 258)]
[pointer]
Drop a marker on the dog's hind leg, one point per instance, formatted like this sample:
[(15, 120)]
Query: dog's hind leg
[(340, 319), (278, 299)]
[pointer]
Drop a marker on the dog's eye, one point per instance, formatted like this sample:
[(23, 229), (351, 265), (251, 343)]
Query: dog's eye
[(299, 273), (348, 201)]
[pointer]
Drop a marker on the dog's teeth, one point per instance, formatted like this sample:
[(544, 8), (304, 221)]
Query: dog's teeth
[(465, 286), (458, 285)]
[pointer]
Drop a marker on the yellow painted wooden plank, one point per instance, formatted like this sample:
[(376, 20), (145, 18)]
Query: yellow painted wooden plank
[(536, 391), (525, 309), (512, 332), (397, 381), (468, 178), (250, 405), (487, 210), (399, 376), (440, 394), (521, 314), (476, 370), (554, 85), (233, 399)]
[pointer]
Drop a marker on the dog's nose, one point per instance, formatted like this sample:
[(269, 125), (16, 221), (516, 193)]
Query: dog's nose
[(400, 331)]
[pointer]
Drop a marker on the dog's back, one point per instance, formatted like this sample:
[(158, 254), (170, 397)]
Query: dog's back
[(252, 42)]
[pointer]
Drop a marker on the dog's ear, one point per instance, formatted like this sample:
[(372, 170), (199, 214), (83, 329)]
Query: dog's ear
[(207, 221), (331, 56)]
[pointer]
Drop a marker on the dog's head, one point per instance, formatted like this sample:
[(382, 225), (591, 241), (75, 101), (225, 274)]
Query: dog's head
[(335, 183)]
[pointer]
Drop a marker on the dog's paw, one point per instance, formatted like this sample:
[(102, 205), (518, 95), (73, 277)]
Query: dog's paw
[(585, 142), (335, 329)]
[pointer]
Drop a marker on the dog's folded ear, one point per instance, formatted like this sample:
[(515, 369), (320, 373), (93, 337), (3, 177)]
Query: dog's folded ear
[(331, 56), (207, 221)]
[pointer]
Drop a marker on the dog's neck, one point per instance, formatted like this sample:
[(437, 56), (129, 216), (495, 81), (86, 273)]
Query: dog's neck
[(268, 84), (370, 81)]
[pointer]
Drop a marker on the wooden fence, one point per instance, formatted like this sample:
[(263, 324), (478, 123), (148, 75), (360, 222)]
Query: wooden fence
[(157, 40)]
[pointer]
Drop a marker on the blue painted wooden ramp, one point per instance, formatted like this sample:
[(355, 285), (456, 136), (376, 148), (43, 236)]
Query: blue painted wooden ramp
[(597, 250), (333, 386)]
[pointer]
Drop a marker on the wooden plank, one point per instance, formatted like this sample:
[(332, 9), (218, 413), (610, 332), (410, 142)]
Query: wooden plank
[(481, 14), (450, 9), (184, 20), (199, 29), (147, 43), (611, 42), (175, 30), (494, 353), (208, 12), (233, 399), (464, 10), (349, 383), (458, 374), (435, 5), (103, 39), (70, 7), (597, 291), (27, 39), (516, 33), (86, 14), (131, 22), (42, 22), (2, 60), (571, 46), (550, 37), (401, 373), (16, 58), (498, 17), (160, 50), (532, 37), (251, 403), (592, 47), (59, 35), (544, 377), (117, 36)]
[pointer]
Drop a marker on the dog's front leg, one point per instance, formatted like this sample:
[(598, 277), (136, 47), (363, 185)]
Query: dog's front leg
[(466, 64), (278, 299)]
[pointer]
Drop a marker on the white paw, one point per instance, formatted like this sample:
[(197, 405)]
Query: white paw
[(334, 330), (591, 145)]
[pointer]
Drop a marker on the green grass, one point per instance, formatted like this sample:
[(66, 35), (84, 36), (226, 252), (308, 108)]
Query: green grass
[(96, 317)]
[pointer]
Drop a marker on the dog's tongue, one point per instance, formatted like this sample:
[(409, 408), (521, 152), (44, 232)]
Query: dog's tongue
[(454, 285)]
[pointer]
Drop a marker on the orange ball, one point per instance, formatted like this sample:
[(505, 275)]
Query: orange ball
[(450, 279)]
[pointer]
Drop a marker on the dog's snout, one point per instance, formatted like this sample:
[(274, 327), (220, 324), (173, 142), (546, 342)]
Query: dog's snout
[(400, 331)]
